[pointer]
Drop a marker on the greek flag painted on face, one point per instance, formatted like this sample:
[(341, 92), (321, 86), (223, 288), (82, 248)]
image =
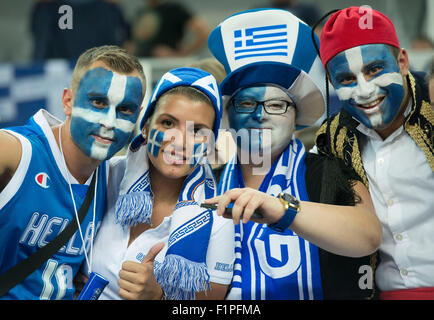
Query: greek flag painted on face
[(154, 142), (106, 106), (270, 265), (375, 100)]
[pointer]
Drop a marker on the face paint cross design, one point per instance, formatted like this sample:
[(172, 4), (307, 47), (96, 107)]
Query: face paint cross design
[(260, 125), (368, 82), (106, 107), (199, 151), (155, 142)]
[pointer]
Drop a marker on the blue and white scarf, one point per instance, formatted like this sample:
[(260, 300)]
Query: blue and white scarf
[(183, 271), (270, 265)]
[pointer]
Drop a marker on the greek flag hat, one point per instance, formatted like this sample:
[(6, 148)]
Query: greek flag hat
[(190, 77), (271, 46)]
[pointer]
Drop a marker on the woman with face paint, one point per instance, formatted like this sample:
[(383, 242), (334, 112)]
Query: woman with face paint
[(288, 246), (156, 241), (384, 131), (47, 165), (430, 80)]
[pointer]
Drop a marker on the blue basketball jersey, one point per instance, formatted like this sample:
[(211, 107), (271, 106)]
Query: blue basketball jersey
[(36, 206)]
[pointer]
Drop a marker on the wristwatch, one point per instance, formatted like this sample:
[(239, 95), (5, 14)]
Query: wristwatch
[(291, 206)]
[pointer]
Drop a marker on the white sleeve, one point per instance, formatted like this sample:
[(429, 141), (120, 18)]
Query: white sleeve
[(221, 251)]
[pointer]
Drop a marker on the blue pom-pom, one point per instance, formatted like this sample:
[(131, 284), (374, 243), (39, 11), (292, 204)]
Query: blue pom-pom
[(181, 278)]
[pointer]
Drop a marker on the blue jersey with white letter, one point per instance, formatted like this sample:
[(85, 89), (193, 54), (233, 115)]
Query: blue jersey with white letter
[(36, 206)]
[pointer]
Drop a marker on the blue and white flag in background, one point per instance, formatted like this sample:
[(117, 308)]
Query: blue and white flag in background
[(24, 89)]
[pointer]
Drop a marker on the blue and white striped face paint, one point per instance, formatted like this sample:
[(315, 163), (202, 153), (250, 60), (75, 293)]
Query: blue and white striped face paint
[(368, 82), (106, 107), (155, 143)]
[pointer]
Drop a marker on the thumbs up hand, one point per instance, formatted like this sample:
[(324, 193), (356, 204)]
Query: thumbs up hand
[(137, 280)]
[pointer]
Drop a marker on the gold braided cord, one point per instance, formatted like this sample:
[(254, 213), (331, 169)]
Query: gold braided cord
[(357, 163), (373, 263), (427, 112), (422, 133), (413, 88), (333, 127), (343, 140), (340, 142), (320, 131)]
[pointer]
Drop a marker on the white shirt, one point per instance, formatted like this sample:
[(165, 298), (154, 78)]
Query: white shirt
[(401, 184), (111, 244)]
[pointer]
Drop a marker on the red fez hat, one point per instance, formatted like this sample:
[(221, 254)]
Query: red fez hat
[(355, 26)]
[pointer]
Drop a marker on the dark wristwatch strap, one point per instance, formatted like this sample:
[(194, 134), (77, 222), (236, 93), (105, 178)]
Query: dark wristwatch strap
[(286, 220)]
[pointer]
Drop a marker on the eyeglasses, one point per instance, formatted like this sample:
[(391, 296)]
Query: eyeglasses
[(272, 106)]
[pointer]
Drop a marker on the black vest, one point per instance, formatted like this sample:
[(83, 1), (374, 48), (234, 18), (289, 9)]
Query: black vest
[(343, 278)]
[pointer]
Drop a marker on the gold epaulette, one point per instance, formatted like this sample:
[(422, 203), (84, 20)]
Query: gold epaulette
[(344, 145)]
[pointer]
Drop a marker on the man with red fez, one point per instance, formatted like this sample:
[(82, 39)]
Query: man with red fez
[(385, 132)]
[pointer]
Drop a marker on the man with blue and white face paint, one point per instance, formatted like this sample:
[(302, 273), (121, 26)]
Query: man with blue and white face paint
[(105, 110), (369, 83), (384, 132), (47, 166)]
